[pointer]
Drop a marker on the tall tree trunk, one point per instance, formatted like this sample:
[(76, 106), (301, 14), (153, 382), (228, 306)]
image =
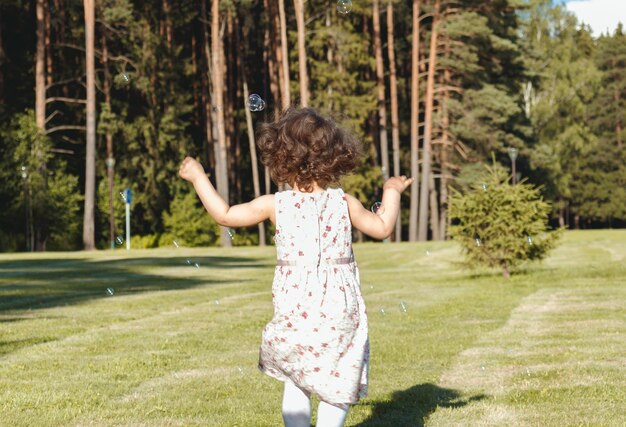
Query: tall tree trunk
[(304, 78), (434, 209), (329, 58), (286, 98), (40, 72), (422, 234), (2, 62), (208, 121), (253, 157), (90, 156), (207, 92), (48, 54), (167, 10), (110, 160), (380, 84), (270, 52), (393, 86), (221, 160), (278, 53), (414, 120), (445, 171), (197, 107), (445, 144), (40, 227), (232, 142), (237, 94)]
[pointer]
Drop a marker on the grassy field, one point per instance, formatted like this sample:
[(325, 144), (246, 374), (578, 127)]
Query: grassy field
[(177, 345)]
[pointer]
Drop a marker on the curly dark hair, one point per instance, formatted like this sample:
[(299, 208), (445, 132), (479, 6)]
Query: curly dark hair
[(304, 148)]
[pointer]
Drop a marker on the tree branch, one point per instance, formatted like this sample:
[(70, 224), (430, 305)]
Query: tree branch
[(65, 127), (122, 58), (449, 88), (73, 46), (70, 140), (61, 150), (64, 99), (109, 27), (62, 82), (426, 15), (51, 116)]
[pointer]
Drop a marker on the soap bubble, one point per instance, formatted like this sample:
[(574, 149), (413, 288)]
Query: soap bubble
[(175, 243), (530, 240), (484, 186), (478, 241), (428, 252), (126, 77), (344, 6), (196, 265), (119, 240), (231, 232), (382, 311), (189, 262), (123, 196), (482, 366), (255, 103), (216, 302), (403, 307), (110, 292), (378, 208)]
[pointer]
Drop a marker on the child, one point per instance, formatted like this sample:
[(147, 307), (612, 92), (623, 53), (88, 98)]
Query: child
[(317, 342)]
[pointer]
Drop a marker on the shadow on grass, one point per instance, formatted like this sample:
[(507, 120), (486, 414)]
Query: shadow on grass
[(411, 407), (45, 283)]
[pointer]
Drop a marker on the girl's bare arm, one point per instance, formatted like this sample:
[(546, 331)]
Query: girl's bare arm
[(379, 225), (242, 215)]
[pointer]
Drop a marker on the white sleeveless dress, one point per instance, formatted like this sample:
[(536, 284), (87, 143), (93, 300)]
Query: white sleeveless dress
[(318, 337)]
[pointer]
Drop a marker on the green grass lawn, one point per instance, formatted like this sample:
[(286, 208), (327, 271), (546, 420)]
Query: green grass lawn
[(177, 345)]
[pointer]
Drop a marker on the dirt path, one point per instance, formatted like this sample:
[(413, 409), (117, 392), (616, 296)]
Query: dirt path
[(559, 345)]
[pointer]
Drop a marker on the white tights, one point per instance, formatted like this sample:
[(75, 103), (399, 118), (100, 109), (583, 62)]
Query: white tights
[(297, 410)]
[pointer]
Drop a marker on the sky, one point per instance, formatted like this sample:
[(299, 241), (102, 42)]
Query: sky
[(601, 15)]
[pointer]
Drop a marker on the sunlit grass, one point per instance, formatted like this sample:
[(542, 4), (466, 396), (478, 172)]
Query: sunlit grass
[(178, 345)]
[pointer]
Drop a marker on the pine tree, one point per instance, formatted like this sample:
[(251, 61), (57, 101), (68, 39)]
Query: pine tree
[(499, 225), (567, 81), (598, 190)]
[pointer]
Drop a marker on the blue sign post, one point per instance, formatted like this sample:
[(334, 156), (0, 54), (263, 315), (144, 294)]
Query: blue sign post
[(127, 198)]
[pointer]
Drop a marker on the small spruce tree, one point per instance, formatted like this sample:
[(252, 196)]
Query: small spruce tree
[(500, 225)]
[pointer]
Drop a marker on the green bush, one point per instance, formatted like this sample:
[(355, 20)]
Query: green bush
[(148, 241), (55, 199), (10, 242), (244, 237), (500, 225), (188, 223)]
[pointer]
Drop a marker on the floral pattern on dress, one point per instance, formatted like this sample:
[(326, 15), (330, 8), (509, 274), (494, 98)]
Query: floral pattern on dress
[(318, 337)]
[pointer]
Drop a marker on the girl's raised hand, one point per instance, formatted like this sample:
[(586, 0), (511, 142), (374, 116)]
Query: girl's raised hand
[(190, 169), (399, 183)]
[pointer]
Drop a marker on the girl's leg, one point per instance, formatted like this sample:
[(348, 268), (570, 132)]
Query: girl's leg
[(296, 407), (330, 415)]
